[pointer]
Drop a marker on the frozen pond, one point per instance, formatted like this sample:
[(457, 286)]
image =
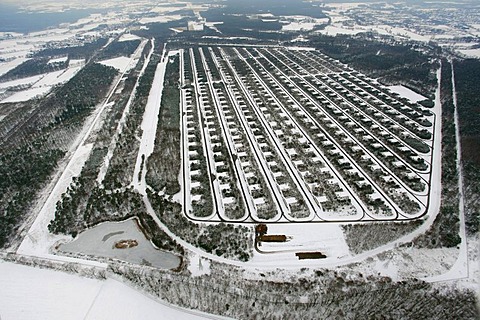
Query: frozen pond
[(101, 239)]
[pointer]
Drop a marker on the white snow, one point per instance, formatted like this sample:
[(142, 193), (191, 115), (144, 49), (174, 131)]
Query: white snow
[(20, 82), (212, 24), (345, 5), (411, 35), (57, 77), (149, 123), (15, 53), (40, 84), (298, 26), (33, 293), (386, 268), (338, 27), (301, 48), (165, 18), (128, 37), (334, 30), (473, 53), (10, 34), (408, 262), (26, 95), (119, 63), (76, 62), (198, 265), (407, 93), (117, 301), (58, 60), (296, 23), (7, 66)]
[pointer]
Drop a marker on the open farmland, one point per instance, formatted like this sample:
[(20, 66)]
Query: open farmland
[(278, 135)]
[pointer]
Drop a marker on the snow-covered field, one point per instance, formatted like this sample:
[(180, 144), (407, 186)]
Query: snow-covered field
[(32, 293), (20, 82), (7, 66), (301, 48), (119, 63), (407, 262), (333, 30), (125, 64), (407, 93), (39, 85), (472, 53), (402, 32), (338, 28), (297, 23), (76, 62), (27, 95), (160, 19), (128, 37), (118, 301), (298, 26), (57, 77)]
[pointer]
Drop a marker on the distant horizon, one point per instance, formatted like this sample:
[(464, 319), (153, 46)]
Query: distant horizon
[(13, 20)]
